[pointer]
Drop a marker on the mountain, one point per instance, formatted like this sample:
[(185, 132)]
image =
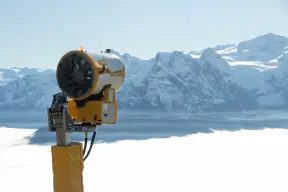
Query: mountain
[(250, 75), (178, 82), (27, 88), (264, 48)]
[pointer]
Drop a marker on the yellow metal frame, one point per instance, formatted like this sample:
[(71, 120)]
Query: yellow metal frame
[(68, 168), (92, 111)]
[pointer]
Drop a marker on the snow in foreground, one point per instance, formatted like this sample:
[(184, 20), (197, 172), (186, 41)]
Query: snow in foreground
[(222, 161)]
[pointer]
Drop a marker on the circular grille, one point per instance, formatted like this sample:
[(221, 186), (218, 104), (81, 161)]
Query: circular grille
[(75, 74)]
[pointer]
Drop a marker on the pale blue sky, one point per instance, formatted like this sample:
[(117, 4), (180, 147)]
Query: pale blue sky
[(37, 33)]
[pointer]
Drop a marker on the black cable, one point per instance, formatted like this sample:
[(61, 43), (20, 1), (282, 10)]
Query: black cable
[(91, 145), (85, 143)]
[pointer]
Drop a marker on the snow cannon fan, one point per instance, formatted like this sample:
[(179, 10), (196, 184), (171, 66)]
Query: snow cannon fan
[(88, 83)]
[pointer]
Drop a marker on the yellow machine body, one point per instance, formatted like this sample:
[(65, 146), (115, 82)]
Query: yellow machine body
[(102, 111), (81, 75), (90, 81)]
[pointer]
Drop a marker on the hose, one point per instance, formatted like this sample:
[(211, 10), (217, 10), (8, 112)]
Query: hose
[(85, 143), (91, 145)]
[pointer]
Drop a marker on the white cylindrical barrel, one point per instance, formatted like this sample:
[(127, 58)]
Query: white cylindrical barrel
[(80, 75)]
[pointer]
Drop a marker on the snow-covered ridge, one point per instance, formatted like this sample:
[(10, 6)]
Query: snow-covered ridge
[(249, 75)]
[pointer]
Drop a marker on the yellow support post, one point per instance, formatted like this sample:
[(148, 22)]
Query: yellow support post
[(68, 168)]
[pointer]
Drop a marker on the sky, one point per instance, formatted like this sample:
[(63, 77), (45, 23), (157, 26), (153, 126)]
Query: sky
[(223, 161), (37, 33)]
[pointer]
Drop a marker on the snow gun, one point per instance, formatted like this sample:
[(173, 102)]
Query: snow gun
[(88, 84)]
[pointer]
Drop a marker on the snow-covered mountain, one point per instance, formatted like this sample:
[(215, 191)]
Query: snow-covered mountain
[(28, 88), (250, 75)]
